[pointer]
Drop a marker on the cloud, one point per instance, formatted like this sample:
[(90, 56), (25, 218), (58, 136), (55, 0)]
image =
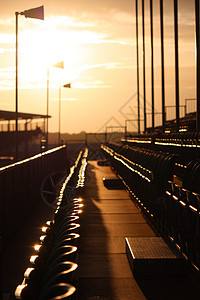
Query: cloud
[(93, 30), (109, 65), (7, 72), (4, 50), (92, 84), (7, 38), (67, 99)]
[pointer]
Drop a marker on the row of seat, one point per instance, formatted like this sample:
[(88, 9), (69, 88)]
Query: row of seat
[(160, 164), (52, 267), (181, 220), (191, 178), (183, 138), (144, 172), (185, 144), (174, 210)]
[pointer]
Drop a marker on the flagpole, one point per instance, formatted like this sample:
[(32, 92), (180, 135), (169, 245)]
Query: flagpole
[(67, 85), (36, 13), (57, 65), (59, 119)]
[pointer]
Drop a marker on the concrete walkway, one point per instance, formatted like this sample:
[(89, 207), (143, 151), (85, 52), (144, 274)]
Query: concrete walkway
[(108, 217)]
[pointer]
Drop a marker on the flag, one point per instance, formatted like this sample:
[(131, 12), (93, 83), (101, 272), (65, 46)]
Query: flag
[(59, 65), (68, 85), (36, 13)]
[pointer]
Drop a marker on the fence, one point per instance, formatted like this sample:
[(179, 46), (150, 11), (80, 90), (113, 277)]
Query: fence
[(22, 126)]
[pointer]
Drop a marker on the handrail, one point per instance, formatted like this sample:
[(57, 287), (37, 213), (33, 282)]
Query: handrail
[(20, 186), (32, 158)]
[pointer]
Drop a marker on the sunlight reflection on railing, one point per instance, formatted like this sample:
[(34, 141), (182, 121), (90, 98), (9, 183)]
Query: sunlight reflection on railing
[(31, 158)]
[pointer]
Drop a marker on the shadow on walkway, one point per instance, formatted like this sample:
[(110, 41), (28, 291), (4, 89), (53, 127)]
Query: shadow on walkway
[(94, 263)]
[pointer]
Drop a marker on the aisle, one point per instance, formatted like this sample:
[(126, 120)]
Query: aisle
[(108, 217)]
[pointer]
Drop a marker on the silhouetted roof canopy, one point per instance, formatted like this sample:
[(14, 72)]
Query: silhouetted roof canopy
[(10, 115)]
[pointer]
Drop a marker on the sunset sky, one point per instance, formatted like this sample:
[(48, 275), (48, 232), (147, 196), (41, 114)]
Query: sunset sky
[(96, 41)]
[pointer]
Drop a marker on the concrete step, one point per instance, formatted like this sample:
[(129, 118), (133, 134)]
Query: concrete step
[(151, 256)]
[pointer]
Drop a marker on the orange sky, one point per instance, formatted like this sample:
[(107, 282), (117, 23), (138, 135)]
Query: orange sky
[(96, 41)]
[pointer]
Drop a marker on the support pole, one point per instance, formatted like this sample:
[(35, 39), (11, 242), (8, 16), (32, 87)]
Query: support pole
[(125, 131), (44, 129), (59, 117), (162, 65), (137, 54), (47, 132), (152, 66), (106, 137), (16, 90), (197, 64), (144, 71), (176, 63)]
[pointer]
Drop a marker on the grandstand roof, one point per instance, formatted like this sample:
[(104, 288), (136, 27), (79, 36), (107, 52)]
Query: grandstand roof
[(10, 115)]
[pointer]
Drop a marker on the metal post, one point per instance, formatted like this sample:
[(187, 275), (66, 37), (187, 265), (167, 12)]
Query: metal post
[(59, 118), (37, 13), (197, 64), (16, 91), (125, 131), (138, 76), (152, 65), (44, 130), (162, 65), (47, 133), (176, 63), (144, 73)]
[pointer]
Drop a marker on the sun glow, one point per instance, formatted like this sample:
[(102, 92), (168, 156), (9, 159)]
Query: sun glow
[(44, 43), (44, 46)]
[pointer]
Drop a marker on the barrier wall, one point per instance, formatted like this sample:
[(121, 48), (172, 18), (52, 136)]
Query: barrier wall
[(20, 187)]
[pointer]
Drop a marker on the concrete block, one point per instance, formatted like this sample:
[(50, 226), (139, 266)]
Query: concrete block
[(151, 256)]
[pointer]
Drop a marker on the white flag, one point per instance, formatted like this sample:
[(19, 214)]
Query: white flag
[(59, 65)]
